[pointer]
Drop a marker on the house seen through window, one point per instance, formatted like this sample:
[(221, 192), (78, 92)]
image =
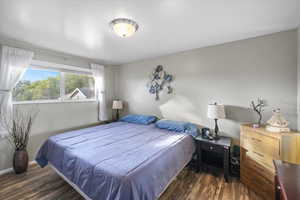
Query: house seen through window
[(44, 84), (78, 86)]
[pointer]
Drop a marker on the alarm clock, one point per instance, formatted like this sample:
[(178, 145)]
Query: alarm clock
[(207, 134)]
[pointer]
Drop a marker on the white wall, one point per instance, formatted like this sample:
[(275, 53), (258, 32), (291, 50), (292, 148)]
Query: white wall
[(55, 118), (232, 74)]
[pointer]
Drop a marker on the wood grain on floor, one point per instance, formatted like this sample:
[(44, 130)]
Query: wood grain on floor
[(45, 184)]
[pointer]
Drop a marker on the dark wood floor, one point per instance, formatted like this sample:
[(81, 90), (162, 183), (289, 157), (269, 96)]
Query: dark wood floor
[(45, 184)]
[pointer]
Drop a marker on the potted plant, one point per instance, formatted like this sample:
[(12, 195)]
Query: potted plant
[(18, 125)]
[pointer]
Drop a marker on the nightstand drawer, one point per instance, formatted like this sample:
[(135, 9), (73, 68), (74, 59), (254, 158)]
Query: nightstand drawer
[(211, 147)]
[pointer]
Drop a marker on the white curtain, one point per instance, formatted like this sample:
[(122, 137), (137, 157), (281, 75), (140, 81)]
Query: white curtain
[(99, 76), (14, 63)]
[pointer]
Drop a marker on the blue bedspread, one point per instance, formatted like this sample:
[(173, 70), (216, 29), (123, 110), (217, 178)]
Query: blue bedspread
[(119, 161)]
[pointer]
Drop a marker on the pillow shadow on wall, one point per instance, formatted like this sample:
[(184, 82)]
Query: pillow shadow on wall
[(240, 114), (181, 108)]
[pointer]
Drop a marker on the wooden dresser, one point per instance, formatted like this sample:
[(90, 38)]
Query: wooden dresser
[(258, 150)]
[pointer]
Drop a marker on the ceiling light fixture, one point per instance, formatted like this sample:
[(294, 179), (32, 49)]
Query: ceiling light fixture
[(124, 27)]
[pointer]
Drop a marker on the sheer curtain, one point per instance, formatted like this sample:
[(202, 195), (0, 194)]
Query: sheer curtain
[(14, 63), (99, 76)]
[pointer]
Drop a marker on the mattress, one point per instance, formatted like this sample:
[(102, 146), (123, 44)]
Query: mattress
[(118, 161)]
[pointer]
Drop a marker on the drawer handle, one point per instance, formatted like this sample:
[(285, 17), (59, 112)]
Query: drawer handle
[(211, 148), (278, 187), (261, 155), (258, 140)]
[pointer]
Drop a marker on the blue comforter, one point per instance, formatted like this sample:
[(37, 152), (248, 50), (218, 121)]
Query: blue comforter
[(119, 161)]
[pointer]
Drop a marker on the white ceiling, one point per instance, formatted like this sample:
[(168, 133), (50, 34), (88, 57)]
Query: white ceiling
[(80, 27)]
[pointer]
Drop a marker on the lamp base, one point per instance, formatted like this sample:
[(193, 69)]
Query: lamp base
[(117, 114), (216, 136)]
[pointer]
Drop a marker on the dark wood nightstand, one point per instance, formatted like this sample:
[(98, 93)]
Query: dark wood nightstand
[(214, 154)]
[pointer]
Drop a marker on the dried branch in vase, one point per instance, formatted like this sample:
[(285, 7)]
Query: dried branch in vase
[(258, 109), (18, 124)]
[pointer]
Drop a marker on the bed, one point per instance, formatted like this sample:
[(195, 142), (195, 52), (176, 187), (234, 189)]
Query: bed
[(118, 161)]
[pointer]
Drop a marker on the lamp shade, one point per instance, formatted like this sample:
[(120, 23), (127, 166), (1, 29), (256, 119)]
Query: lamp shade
[(216, 111), (117, 104)]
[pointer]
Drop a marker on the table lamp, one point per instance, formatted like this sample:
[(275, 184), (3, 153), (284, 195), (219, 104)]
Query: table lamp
[(216, 112), (117, 105)]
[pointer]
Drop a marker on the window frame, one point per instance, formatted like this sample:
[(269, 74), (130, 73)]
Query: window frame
[(62, 69)]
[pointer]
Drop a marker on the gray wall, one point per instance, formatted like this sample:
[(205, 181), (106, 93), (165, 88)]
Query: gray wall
[(232, 74), (298, 101), (54, 118)]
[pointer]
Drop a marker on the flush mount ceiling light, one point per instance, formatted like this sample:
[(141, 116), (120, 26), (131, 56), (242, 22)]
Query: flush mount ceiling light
[(124, 27)]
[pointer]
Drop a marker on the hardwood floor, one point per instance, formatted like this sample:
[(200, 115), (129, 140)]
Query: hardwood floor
[(45, 184)]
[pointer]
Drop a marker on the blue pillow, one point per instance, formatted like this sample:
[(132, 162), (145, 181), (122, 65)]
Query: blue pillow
[(139, 119), (192, 130), (178, 126)]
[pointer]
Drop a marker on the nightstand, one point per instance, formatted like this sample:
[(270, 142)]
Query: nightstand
[(214, 154)]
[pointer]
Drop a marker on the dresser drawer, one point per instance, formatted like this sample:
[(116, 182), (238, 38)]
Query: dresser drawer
[(258, 183), (260, 145), (212, 147), (251, 164), (264, 159), (257, 177)]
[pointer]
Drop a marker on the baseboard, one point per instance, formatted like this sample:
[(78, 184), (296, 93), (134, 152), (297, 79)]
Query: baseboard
[(5, 171)]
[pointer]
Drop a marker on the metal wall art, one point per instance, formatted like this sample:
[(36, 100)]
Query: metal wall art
[(159, 80)]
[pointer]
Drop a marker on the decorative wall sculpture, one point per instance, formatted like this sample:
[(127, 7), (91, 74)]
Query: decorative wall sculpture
[(159, 80)]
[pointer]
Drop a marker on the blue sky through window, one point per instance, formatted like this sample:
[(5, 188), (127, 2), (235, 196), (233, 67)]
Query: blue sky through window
[(36, 75)]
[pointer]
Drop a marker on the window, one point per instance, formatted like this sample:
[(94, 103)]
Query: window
[(37, 85), (46, 85), (79, 87)]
